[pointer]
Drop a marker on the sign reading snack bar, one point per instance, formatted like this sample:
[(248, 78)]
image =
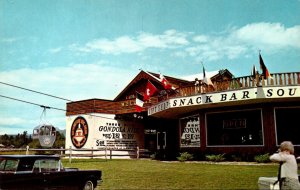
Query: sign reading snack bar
[(102, 130), (229, 96)]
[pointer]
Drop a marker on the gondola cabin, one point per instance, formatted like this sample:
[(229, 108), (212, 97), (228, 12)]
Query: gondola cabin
[(46, 134)]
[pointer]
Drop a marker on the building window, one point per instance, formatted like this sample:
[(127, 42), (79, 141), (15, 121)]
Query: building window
[(287, 125), (190, 132), (234, 128)]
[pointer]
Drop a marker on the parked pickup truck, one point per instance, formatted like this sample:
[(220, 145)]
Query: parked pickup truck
[(44, 172)]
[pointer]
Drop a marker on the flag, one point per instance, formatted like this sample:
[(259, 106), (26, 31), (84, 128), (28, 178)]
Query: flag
[(206, 79), (253, 72), (163, 80), (165, 83), (150, 90), (265, 71), (139, 102)]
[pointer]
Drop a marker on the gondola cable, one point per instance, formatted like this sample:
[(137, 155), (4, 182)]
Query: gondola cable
[(49, 107), (32, 103), (42, 93)]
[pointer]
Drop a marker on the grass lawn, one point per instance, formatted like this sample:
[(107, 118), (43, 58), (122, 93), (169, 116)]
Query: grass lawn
[(151, 174)]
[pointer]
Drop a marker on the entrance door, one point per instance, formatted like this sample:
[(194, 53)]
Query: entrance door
[(150, 140), (161, 140), (161, 144)]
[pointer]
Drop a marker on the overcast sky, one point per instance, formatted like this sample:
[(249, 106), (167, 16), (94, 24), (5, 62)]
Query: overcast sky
[(81, 49)]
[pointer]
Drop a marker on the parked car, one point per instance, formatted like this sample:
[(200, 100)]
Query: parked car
[(44, 172)]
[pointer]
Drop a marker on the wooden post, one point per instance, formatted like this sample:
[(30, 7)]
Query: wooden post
[(272, 80), (289, 78), (245, 82), (61, 152), (27, 150), (263, 81), (105, 152), (110, 153), (137, 152), (92, 152), (70, 154), (280, 79)]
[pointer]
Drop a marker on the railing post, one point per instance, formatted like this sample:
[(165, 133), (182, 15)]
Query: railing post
[(280, 79), (294, 78), (137, 152), (61, 152), (263, 81), (27, 150), (272, 80), (70, 154), (110, 153), (289, 79), (105, 152), (92, 152)]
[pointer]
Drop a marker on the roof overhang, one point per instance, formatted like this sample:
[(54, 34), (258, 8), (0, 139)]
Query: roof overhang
[(174, 107)]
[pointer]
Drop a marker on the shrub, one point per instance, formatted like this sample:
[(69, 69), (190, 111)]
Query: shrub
[(236, 158), (185, 156), (154, 156), (215, 157), (262, 158)]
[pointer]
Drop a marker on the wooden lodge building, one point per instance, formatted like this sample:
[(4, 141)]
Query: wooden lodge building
[(237, 116)]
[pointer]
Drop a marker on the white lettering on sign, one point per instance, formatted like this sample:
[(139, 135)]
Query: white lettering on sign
[(116, 144), (230, 96), (190, 136), (159, 107)]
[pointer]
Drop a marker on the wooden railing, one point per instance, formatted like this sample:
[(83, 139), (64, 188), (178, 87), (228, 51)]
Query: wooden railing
[(278, 79), (104, 153)]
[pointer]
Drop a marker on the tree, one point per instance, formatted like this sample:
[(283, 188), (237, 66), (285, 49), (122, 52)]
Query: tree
[(4, 139), (19, 140)]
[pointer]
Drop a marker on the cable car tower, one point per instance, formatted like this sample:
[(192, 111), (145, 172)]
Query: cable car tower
[(45, 132)]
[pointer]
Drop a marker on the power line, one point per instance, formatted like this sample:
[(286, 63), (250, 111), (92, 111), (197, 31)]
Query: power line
[(32, 103), (46, 94), (49, 107)]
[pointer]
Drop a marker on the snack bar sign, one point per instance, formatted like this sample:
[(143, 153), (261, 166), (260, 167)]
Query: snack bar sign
[(238, 95)]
